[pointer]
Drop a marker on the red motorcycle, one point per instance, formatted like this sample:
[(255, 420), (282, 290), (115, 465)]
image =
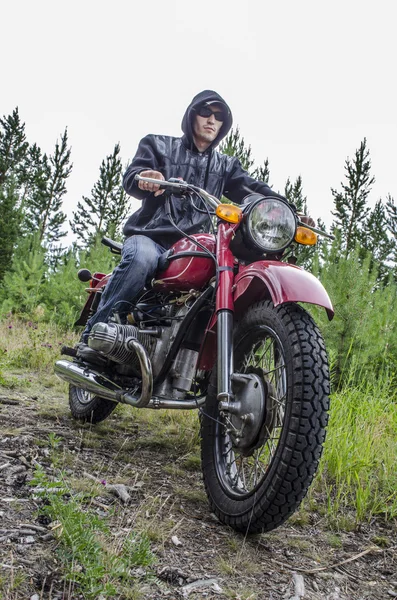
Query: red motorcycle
[(219, 329)]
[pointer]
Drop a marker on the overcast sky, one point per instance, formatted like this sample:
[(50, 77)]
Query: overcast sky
[(306, 80)]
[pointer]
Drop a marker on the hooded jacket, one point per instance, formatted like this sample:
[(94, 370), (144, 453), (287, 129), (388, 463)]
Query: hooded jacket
[(217, 173)]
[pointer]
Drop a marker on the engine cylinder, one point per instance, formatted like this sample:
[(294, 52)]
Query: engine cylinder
[(111, 339)]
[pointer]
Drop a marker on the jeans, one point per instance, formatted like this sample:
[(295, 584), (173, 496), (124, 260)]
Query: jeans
[(139, 261)]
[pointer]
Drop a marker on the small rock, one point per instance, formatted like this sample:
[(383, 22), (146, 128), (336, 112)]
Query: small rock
[(29, 539), (35, 597), (173, 575), (119, 489), (176, 541), (138, 572), (216, 588), (201, 584), (335, 594)]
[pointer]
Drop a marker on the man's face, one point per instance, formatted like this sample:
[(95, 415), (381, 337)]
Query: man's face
[(205, 128)]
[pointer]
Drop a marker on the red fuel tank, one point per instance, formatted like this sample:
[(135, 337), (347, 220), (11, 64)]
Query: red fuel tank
[(188, 272)]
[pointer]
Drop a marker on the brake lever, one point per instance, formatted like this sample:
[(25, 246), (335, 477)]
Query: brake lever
[(316, 230)]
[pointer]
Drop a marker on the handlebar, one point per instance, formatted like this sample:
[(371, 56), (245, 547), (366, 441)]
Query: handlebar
[(179, 186)]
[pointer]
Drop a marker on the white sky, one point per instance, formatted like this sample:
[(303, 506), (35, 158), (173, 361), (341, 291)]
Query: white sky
[(306, 80)]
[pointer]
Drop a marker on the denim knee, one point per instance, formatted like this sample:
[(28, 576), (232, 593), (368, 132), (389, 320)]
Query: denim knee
[(143, 251)]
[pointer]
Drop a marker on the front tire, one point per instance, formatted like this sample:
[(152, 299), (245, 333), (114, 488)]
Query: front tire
[(257, 489), (88, 408)]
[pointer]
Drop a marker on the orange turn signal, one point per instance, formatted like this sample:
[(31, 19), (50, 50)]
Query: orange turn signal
[(305, 236), (229, 213)]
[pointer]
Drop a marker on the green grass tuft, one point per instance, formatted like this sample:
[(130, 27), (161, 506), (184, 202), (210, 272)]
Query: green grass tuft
[(358, 471), (93, 560)]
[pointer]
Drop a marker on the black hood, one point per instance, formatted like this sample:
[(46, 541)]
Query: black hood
[(187, 121)]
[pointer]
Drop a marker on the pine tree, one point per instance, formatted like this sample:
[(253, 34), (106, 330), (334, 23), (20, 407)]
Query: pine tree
[(391, 223), (376, 239), (104, 211), (294, 194), (13, 147), (351, 210), (234, 145), (362, 338), (47, 186), (262, 173), (10, 219), (22, 287), (391, 219)]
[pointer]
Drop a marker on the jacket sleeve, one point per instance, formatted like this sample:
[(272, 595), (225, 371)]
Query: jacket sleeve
[(146, 158), (239, 184)]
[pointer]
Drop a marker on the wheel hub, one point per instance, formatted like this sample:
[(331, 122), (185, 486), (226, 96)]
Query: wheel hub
[(245, 416)]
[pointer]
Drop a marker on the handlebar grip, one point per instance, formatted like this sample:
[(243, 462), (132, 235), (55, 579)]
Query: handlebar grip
[(173, 183)]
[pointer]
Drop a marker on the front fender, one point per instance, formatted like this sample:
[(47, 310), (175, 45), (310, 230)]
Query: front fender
[(281, 282)]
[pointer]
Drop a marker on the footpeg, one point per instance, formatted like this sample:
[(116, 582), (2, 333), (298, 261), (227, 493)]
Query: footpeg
[(91, 356), (68, 351)]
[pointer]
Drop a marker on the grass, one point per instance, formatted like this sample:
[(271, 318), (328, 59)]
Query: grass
[(95, 563), (358, 471), (12, 583), (28, 345)]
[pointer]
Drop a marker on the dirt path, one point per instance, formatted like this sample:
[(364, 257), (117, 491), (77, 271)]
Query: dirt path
[(196, 556)]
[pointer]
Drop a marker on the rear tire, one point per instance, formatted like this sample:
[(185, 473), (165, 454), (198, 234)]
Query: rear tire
[(256, 490), (87, 408)]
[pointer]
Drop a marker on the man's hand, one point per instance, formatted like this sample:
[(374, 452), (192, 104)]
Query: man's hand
[(307, 220), (151, 187)]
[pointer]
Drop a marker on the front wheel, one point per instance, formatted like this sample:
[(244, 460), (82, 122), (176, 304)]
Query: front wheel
[(88, 408), (257, 475)]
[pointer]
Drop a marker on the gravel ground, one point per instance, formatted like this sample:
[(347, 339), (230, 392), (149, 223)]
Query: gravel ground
[(197, 557)]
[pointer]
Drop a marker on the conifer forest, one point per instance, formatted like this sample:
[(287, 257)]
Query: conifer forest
[(41, 298)]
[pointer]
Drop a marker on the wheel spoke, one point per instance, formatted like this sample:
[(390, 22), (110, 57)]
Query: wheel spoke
[(245, 472)]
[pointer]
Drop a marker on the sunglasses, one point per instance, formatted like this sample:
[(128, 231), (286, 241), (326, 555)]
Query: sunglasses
[(206, 111)]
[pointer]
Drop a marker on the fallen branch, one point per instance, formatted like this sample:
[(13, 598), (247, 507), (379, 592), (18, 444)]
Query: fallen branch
[(38, 528), (9, 453), (9, 402), (328, 567)]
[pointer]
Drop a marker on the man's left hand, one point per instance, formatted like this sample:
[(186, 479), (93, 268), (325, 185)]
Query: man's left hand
[(307, 220)]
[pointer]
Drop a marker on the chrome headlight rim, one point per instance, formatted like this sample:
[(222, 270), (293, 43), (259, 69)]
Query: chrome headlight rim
[(247, 229)]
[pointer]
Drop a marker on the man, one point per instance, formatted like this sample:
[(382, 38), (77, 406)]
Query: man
[(193, 158)]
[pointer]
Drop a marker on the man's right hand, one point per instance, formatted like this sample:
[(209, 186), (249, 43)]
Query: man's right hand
[(151, 187)]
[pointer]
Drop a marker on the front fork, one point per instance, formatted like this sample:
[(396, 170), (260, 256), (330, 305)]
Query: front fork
[(225, 312), (225, 362)]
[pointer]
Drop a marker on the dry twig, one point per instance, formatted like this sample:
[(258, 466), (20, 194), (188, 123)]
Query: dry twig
[(328, 567)]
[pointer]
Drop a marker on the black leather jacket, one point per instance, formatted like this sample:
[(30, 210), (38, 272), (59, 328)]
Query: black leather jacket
[(217, 173)]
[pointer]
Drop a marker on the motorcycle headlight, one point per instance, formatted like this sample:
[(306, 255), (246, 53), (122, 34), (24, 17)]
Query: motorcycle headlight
[(270, 225)]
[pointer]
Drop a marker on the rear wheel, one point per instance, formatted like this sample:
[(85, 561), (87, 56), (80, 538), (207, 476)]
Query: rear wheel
[(88, 408), (257, 474)]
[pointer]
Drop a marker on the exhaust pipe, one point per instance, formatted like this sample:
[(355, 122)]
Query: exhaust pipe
[(98, 384)]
